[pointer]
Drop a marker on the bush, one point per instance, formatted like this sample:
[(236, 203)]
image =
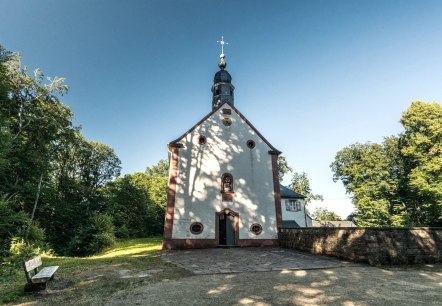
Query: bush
[(94, 236)]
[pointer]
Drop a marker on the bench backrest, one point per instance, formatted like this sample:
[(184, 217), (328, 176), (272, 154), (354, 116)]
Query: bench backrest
[(33, 263)]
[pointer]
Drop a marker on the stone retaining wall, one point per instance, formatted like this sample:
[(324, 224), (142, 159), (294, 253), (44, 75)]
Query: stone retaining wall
[(377, 246)]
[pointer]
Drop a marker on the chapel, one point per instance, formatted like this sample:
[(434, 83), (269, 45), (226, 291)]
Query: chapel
[(223, 185)]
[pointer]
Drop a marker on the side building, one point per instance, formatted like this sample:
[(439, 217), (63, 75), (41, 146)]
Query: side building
[(293, 209)]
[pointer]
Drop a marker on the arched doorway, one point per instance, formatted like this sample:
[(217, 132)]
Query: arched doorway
[(228, 225)]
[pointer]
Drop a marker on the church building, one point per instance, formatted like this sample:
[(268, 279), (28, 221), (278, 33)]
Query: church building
[(223, 179)]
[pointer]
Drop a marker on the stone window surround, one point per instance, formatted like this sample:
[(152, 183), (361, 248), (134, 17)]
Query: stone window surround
[(196, 224), (256, 228)]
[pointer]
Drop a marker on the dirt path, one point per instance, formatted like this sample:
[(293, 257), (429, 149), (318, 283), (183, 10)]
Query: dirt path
[(339, 286)]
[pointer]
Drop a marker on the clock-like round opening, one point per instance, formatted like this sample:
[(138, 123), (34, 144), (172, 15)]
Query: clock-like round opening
[(227, 121)]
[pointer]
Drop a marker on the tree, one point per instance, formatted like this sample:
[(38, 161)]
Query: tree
[(323, 214), (138, 201), (161, 168), (367, 172), (398, 182), (421, 149), (31, 120), (283, 167), (80, 170), (47, 169), (301, 184)]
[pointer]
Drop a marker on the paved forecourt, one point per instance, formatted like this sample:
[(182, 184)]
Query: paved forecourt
[(250, 259)]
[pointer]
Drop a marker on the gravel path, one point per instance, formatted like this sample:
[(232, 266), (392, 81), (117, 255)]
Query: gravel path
[(347, 286)]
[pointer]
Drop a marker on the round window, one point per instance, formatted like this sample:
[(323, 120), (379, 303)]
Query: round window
[(227, 121), (196, 228), (250, 144), (256, 228), (202, 140)]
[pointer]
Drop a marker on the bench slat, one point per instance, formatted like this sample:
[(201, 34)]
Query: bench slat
[(33, 263), (44, 275)]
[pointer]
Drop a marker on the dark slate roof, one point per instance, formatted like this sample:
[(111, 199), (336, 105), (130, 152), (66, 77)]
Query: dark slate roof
[(222, 76), (289, 194), (289, 224)]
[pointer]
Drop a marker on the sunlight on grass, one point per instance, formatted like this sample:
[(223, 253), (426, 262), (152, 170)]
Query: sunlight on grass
[(141, 247), (80, 273), (129, 251)]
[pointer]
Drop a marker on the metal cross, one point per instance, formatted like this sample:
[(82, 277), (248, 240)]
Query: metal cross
[(222, 43)]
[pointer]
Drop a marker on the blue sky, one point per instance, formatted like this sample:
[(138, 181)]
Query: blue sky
[(312, 76)]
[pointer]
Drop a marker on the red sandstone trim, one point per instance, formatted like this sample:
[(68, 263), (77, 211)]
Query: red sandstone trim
[(171, 191), (172, 244), (258, 242), (235, 215), (276, 190)]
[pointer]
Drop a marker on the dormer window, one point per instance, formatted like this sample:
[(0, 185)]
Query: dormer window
[(293, 205)]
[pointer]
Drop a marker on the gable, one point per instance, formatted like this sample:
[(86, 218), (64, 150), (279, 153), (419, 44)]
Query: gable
[(177, 141)]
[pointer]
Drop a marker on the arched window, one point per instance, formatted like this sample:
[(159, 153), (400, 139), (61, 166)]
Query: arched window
[(227, 183), (227, 187)]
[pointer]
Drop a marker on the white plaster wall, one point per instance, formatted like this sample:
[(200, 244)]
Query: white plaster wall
[(298, 216), (200, 168)]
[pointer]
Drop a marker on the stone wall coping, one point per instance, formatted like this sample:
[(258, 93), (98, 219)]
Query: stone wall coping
[(365, 228)]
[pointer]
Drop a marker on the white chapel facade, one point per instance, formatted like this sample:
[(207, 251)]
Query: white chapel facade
[(223, 180)]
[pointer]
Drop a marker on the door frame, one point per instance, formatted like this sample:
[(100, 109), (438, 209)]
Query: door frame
[(235, 215)]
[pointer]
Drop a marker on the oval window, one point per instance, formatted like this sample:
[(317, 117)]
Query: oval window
[(202, 140), (196, 228), (250, 144), (256, 228)]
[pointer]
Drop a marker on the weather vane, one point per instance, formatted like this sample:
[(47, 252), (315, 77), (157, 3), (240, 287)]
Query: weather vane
[(222, 43)]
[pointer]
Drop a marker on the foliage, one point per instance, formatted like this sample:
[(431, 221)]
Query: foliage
[(93, 236), (161, 169), (283, 167), (397, 182), (46, 166), (138, 201), (323, 214), (301, 184)]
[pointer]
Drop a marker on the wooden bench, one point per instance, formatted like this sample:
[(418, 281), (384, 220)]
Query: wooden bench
[(40, 278)]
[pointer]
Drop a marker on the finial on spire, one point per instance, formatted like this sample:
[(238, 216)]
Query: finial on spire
[(222, 43), (222, 62)]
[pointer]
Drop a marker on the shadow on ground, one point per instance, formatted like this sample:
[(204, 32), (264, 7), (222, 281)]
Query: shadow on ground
[(362, 285)]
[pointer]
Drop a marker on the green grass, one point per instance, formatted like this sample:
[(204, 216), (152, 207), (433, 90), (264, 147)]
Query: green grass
[(85, 280)]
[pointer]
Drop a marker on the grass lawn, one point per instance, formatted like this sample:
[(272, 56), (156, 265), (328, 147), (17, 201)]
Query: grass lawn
[(81, 280)]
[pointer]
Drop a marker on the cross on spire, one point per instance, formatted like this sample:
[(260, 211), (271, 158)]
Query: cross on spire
[(222, 43)]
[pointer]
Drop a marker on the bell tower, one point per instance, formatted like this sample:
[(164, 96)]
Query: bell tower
[(222, 87)]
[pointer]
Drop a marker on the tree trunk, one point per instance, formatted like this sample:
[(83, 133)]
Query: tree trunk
[(35, 206)]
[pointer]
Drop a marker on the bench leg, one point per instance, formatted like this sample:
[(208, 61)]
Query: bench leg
[(30, 287)]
